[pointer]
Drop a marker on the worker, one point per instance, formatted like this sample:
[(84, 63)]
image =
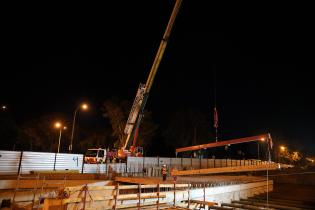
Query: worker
[(164, 172)]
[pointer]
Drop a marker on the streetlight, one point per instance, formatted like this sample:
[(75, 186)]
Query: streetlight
[(4, 107), (83, 106), (59, 126), (282, 149), (262, 139)]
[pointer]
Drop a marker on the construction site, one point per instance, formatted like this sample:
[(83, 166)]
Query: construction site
[(68, 181), (64, 181)]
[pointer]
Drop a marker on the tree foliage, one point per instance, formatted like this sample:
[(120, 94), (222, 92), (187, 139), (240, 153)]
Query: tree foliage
[(187, 127), (39, 134), (117, 112)]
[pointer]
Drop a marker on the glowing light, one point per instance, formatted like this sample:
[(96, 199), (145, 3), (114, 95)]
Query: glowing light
[(262, 139), (84, 106), (283, 148), (57, 125)]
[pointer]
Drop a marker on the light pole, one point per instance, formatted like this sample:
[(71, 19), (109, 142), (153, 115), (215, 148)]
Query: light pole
[(258, 153), (60, 127), (282, 150), (83, 106)]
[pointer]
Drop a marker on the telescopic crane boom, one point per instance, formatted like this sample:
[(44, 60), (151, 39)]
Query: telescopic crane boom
[(136, 113)]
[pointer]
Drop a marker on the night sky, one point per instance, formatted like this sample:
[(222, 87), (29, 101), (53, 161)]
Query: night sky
[(54, 56)]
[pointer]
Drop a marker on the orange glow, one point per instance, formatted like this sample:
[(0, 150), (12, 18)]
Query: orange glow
[(57, 125), (84, 106), (282, 148), (262, 139)]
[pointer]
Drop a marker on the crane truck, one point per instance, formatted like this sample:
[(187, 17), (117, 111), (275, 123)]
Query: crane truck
[(136, 113)]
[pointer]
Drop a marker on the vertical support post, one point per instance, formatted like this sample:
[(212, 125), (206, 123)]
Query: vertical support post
[(116, 196), (191, 161), (189, 186), (82, 170), (170, 163), (84, 199), (143, 166), (55, 161), (158, 196), (258, 150), (20, 163), (204, 194), (139, 196), (158, 160), (174, 193), (200, 151)]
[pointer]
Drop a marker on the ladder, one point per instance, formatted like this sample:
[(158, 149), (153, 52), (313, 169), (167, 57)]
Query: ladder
[(19, 188)]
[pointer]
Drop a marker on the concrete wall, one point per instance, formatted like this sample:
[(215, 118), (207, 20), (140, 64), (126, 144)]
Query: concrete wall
[(221, 194), (152, 165)]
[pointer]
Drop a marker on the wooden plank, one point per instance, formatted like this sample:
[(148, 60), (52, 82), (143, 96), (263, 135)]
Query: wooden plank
[(135, 205), (208, 203), (123, 187), (226, 170), (121, 197), (142, 197), (140, 180)]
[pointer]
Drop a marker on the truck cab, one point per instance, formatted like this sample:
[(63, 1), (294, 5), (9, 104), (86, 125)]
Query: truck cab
[(95, 156)]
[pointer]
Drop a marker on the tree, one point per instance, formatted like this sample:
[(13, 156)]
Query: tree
[(113, 110), (40, 135), (94, 138), (117, 112), (187, 127)]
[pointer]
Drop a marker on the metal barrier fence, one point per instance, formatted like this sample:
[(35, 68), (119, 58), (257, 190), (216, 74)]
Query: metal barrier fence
[(13, 162), (151, 166)]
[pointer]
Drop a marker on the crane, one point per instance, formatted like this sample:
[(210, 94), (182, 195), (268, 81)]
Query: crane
[(137, 109)]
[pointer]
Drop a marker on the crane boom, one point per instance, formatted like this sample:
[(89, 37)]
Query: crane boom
[(264, 137), (137, 109)]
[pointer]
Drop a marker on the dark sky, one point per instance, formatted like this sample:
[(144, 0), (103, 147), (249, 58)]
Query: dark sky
[(54, 56)]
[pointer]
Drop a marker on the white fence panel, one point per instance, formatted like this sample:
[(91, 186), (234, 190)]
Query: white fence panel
[(69, 161), (165, 161), (104, 168), (37, 161), (9, 162)]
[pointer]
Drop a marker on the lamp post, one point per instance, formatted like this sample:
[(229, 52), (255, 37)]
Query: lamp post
[(59, 126), (282, 150), (83, 106), (258, 153)]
